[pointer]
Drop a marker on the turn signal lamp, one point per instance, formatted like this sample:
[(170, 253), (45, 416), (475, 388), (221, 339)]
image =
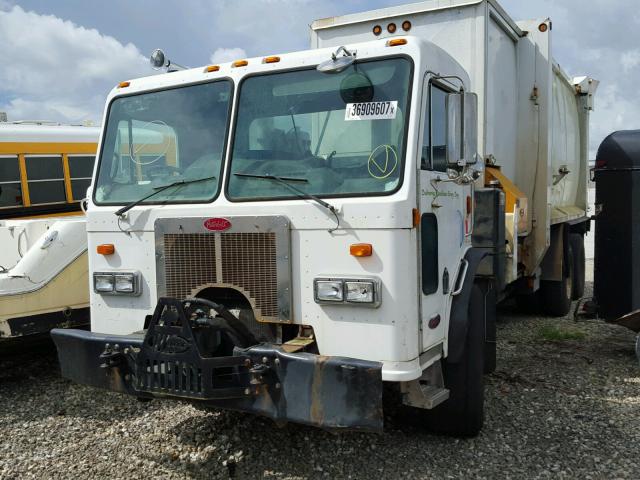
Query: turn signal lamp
[(361, 249), (124, 84), (106, 249), (240, 63), (272, 59), (415, 213), (396, 41), (212, 68)]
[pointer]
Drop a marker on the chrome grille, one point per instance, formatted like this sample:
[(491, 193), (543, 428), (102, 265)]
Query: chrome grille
[(190, 261), (249, 261), (251, 257)]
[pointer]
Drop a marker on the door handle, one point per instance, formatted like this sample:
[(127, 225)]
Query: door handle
[(462, 274)]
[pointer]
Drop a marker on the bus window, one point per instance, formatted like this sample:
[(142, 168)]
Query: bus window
[(45, 176), (10, 187), (80, 170)]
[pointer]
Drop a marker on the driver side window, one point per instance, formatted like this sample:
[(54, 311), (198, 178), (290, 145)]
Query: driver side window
[(434, 135)]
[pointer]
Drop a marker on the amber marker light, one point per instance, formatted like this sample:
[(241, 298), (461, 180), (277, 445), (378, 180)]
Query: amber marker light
[(377, 30), (272, 59), (240, 63), (543, 27), (391, 28), (361, 249), (106, 249), (124, 84), (415, 213), (396, 41), (406, 25), (212, 68)]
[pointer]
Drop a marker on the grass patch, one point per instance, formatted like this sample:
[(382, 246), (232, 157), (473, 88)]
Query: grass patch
[(559, 334)]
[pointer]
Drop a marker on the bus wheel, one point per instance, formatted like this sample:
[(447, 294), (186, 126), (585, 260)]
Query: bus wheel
[(463, 413)]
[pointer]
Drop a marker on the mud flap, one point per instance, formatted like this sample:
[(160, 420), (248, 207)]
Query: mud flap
[(459, 321)]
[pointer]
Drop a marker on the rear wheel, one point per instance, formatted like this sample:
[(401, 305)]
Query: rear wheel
[(577, 246), (557, 295), (463, 413)]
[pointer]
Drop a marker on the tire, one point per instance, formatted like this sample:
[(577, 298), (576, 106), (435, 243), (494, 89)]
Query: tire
[(557, 296), (528, 303), (577, 245), (462, 414)]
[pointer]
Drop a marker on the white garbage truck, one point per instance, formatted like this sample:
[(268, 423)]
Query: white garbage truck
[(284, 235)]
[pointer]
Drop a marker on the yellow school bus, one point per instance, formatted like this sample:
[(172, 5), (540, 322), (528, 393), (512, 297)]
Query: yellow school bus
[(45, 169)]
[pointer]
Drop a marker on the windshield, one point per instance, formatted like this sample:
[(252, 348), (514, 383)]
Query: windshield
[(164, 137), (343, 133)]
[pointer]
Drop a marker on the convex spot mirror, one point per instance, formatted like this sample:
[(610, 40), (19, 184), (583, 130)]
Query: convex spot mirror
[(356, 88), (462, 128)]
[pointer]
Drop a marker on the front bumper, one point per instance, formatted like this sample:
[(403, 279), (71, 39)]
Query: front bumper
[(329, 392)]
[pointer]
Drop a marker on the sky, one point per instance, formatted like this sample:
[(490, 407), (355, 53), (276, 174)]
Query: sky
[(59, 59)]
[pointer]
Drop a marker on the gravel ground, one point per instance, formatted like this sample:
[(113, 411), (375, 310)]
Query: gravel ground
[(556, 407)]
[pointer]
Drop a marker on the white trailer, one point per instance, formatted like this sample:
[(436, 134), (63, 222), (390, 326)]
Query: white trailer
[(286, 233)]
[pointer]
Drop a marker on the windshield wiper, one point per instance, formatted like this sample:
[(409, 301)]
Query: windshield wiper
[(299, 193), (157, 190)]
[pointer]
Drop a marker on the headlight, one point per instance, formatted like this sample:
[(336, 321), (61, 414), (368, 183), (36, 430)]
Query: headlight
[(359, 292), (348, 290), (329, 291), (103, 282), (125, 282), (117, 283)]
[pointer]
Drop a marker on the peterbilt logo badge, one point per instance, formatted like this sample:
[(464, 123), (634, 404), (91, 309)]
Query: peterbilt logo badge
[(217, 224)]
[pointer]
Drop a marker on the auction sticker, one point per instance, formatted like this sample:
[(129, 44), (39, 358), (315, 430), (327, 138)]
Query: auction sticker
[(371, 111)]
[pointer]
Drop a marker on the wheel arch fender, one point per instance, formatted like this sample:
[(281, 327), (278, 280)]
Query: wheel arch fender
[(459, 318)]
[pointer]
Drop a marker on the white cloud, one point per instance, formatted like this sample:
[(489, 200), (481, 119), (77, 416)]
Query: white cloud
[(55, 70), (223, 55), (630, 60)]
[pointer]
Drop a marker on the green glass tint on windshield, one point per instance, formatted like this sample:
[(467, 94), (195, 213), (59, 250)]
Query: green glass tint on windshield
[(155, 139), (343, 133)]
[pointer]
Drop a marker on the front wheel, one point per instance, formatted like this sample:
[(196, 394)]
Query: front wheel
[(463, 413)]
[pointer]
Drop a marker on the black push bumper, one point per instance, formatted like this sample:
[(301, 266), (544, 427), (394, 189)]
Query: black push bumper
[(330, 392)]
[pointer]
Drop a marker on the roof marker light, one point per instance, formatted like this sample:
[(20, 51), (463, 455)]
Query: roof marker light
[(240, 63), (391, 28), (211, 68), (273, 59), (377, 30), (124, 84), (396, 41), (406, 25)]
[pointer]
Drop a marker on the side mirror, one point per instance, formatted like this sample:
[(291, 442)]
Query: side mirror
[(462, 128)]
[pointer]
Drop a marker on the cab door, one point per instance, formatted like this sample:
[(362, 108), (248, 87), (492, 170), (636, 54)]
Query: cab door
[(444, 223)]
